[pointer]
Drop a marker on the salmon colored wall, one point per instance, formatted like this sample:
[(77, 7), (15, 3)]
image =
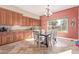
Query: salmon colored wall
[(70, 13), (78, 22)]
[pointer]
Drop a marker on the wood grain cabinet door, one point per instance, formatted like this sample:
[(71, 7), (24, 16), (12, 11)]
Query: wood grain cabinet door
[(2, 16), (8, 17), (14, 37), (29, 34), (27, 21), (9, 37), (23, 20), (33, 22), (30, 22), (14, 18), (4, 38), (20, 36), (0, 38), (19, 18)]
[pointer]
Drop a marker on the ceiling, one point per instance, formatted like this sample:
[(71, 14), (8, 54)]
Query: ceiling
[(40, 9)]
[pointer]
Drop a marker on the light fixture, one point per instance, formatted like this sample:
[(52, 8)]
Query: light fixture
[(48, 11)]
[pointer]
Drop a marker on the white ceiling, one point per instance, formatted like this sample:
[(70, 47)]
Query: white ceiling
[(40, 9)]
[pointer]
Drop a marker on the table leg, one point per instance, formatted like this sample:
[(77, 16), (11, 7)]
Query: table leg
[(46, 42)]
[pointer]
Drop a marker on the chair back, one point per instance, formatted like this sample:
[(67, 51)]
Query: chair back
[(36, 35)]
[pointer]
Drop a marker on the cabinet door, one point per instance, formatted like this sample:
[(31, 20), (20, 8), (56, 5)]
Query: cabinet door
[(20, 36), (4, 38), (2, 16), (27, 21), (38, 22), (0, 39), (9, 37), (29, 34), (8, 17), (19, 19), (17, 36), (33, 22), (25, 35), (30, 22), (14, 37), (23, 20), (14, 18)]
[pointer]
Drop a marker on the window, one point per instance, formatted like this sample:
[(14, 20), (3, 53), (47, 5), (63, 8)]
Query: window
[(61, 24)]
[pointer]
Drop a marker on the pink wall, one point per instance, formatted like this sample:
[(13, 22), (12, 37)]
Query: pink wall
[(78, 22), (70, 13)]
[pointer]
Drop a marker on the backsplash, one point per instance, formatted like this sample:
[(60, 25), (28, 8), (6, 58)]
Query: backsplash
[(6, 28)]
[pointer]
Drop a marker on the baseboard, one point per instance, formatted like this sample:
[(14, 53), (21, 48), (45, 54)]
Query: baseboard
[(67, 38)]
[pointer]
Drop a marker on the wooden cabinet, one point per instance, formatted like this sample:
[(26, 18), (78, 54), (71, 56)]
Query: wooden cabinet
[(38, 22), (9, 37), (17, 37), (23, 20), (4, 38), (2, 16), (20, 35), (19, 19), (27, 34), (30, 22), (27, 21), (0, 38), (9, 19), (14, 18), (33, 22)]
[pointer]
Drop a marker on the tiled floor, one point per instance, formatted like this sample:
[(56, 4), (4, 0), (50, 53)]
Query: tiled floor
[(75, 50), (27, 47)]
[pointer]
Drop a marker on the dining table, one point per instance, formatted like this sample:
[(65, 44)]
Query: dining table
[(46, 38)]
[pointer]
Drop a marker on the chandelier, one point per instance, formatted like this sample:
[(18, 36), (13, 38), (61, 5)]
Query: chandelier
[(48, 11)]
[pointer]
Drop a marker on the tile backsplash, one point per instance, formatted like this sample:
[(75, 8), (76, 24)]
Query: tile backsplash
[(17, 27)]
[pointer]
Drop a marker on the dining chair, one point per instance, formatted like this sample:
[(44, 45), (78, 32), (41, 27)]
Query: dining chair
[(42, 41), (52, 39), (39, 40), (36, 37)]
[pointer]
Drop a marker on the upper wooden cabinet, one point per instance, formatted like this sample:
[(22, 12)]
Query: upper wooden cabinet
[(35, 22), (27, 21), (8, 17), (19, 19), (14, 18), (8, 20), (2, 16), (38, 22), (23, 20)]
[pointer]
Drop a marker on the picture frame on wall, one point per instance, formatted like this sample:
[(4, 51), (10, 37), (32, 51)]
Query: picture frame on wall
[(73, 22)]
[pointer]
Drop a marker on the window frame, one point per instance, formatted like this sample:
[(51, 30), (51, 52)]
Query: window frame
[(64, 18)]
